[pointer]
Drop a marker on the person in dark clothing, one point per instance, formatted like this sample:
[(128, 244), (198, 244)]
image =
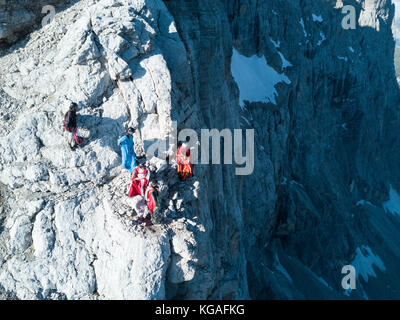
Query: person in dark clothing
[(70, 125)]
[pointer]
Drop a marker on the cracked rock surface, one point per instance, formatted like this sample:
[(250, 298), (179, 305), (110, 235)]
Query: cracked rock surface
[(326, 153), (67, 232)]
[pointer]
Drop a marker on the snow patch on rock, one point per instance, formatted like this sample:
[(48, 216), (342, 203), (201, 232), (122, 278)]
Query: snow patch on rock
[(393, 204), (364, 263), (255, 78)]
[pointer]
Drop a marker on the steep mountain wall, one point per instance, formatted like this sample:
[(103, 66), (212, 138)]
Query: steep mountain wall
[(323, 191), (333, 153), (320, 150)]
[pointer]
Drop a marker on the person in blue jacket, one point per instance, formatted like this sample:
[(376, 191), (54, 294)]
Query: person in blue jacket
[(128, 152)]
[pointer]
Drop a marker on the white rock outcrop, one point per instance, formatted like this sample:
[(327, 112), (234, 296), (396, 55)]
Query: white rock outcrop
[(76, 239)]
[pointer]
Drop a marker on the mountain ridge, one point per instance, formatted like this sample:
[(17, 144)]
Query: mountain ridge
[(325, 152)]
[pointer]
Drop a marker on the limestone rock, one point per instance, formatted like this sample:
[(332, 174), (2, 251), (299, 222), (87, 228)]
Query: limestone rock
[(67, 229)]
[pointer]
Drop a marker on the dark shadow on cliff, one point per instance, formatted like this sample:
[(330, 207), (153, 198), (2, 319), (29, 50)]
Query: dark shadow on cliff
[(340, 149), (3, 213), (22, 35)]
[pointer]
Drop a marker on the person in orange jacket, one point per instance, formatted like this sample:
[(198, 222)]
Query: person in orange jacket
[(185, 169)]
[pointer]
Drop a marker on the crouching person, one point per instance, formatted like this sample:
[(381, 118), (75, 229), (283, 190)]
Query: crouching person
[(151, 197), (140, 179), (138, 204)]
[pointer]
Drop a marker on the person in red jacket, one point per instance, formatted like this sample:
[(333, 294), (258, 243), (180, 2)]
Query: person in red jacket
[(183, 159), (140, 179), (151, 197)]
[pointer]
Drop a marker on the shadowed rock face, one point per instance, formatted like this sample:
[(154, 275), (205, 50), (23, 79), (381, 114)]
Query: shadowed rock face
[(323, 149), (314, 158), (326, 152), (18, 18)]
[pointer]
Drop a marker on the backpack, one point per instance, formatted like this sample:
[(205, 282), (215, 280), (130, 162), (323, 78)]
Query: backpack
[(66, 122)]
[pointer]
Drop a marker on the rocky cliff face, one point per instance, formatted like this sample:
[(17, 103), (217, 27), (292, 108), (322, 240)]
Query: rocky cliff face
[(19, 18), (323, 192)]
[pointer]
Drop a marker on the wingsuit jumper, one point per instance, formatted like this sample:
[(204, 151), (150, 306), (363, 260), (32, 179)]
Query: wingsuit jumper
[(70, 125), (151, 197), (141, 208), (140, 179), (128, 151), (185, 169)]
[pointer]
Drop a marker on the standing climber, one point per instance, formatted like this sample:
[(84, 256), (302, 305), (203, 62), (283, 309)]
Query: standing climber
[(140, 179), (183, 159), (151, 197), (70, 125), (128, 151)]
